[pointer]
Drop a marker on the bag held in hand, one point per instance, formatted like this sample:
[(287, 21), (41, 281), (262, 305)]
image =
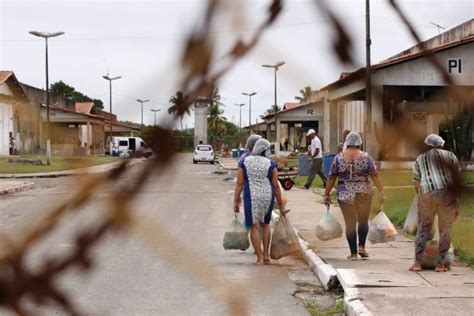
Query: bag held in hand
[(285, 242), (328, 227), (381, 230), (411, 222), (236, 236)]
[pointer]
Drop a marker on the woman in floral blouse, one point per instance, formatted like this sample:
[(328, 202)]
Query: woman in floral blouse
[(353, 167)]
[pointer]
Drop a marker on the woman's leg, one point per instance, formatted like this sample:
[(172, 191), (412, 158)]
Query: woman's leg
[(427, 208), (256, 243), (349, 214), (266, 240), (363, 211), (446, 216)]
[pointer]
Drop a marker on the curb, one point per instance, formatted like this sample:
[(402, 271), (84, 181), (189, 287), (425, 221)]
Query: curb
[(331, 278), (66, 173), (23, 187), (224, 167)]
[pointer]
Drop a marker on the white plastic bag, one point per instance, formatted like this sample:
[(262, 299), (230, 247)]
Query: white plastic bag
[(328, 227), (381, 230), (285, 242), (411, 222), (431, 254), (236, 236)]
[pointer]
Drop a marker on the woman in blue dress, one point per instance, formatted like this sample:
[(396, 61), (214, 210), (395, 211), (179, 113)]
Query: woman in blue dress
[(258, 178)]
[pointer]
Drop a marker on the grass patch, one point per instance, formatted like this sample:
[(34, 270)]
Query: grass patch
[(337, 309), (58, 163)]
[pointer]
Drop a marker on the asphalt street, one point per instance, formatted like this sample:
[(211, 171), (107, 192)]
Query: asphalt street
[(175, 266)]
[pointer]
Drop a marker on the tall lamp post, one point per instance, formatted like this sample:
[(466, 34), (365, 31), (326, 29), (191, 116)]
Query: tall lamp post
[(47, 35), (110, 79), (250, 109), (154, 112), (142, 101), (240, 105), (276, 67)]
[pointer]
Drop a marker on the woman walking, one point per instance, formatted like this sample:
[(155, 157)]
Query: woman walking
[(353, 168), (258, 178), (433, 176)]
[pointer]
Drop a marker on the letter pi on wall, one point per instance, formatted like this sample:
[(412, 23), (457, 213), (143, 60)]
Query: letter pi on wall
[(454, 66)]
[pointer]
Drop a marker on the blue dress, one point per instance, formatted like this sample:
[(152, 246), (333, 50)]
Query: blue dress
[(258, 190)]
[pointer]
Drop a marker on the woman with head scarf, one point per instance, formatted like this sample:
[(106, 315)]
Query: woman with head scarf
[(434, 175), (258, 178), (353, 168), (249, 145)]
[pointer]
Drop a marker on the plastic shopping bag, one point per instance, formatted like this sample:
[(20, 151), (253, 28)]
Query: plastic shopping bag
[(283, 197), (381, 230), (411, 222), (328, 227), (285, 242), (236, 236)]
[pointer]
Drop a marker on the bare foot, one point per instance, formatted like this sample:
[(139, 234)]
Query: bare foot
[(416, 267), (266, 262), (352, 257), (259, 263)]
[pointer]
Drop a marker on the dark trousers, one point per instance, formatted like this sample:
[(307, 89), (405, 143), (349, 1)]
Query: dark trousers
[(316, 168), (356, 217)]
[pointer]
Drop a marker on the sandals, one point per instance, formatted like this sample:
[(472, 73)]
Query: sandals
[(441, 268), (363, 253), (416, 267)]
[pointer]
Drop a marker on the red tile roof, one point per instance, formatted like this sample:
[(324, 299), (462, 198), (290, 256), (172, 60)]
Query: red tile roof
[(289, 106), (84, 107), (4, 75)]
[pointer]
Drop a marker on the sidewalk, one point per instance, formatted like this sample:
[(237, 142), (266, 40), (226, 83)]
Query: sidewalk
[(90, 170), (382, 285), (11, 186)]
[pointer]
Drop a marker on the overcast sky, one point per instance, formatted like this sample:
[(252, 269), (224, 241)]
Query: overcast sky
[(142, 42)]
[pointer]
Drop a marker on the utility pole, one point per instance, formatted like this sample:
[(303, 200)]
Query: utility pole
[(439, 27), (110, 79), (47, 35), (250, 109), (154, 111), (276, 67), (142, 101), (368, 81), (240, 105)]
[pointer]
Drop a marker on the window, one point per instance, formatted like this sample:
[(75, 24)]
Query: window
[(123, 143), (204, 148)]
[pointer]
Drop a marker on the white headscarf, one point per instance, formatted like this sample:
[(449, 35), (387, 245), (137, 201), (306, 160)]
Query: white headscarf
[(251, 141), (260, 146), (353, 139), (434, 140)]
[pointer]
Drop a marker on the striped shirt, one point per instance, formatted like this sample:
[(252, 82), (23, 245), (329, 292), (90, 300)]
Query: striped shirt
[(432, 169)]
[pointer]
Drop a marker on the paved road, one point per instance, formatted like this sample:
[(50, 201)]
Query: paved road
[(193, 206)]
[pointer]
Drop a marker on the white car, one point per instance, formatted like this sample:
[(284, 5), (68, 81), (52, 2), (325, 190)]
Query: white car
[(204, 153)]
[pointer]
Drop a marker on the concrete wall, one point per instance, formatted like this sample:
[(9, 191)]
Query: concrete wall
[(200, 123)]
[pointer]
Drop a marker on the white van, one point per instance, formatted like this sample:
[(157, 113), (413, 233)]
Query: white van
[(124, 145)]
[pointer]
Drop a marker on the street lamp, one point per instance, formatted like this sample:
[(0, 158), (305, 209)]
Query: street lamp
[(47, 35), (276, 67), (142, 101), (250, 109), (110, 79), (154, 111), (240, 105)]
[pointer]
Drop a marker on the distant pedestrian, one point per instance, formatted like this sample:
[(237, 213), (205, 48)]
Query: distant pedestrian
[(433, 176), (353, 167), (12, 145), (316, 155), (249, 145), (342, 146), (257, 177), (223, 150), (226, 150)]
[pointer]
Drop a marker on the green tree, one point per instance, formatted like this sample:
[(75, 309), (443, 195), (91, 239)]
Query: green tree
[(273, 108), (215, 119), (305, 93), (68, 92), (177, 102)]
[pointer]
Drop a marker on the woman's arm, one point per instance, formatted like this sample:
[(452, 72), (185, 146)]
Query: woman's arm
[(329, 185), (238, 189), (276, 188), (378, 184)]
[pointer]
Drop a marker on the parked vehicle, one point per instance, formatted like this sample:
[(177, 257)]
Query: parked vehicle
[(204, 153), (127, 146)]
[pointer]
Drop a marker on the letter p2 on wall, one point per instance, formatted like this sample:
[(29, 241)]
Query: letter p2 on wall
[(455, 66)]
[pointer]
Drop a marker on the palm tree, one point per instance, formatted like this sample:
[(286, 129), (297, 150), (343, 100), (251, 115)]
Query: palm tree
[(305, 93), (273, 108), (178, 103), (215, 118)]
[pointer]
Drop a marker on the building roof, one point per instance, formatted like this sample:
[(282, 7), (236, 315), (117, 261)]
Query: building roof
[(84, 107), (290, 105), (4, 75), (465, 35)]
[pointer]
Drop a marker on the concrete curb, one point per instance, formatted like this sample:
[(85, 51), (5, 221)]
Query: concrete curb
[(224, 167), (91, 170), (18, 188)]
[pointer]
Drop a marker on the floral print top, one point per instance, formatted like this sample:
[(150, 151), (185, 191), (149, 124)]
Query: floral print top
[(353, 176)]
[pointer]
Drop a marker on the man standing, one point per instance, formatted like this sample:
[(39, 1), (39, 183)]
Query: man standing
[(316, 156)]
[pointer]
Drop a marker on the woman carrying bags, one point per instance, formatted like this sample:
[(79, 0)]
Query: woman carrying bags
[(258, 178), (353, 168)]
